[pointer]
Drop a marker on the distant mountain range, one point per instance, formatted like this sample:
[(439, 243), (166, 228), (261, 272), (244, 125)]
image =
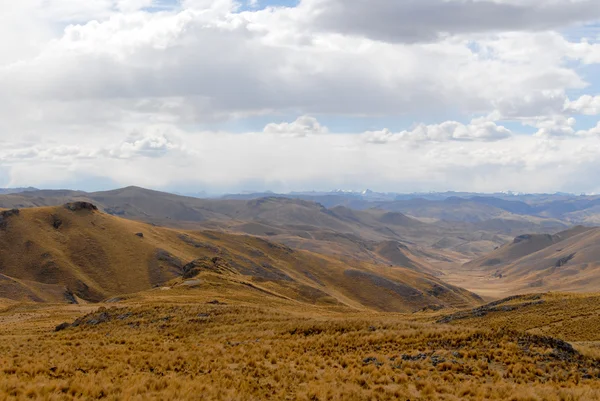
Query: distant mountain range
[(457, 206), (7, 191), (369, 195)]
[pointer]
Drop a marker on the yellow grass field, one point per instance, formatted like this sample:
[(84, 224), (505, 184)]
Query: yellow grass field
[(228, 342)]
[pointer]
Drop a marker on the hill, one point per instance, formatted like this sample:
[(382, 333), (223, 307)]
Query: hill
[(567, 261), (75, 252), (571, 317), (522, 246)]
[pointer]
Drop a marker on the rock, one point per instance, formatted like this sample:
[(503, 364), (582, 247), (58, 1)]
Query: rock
[(165, 256), (101, 318), (62, 326), (5, 215), (563, 261), (70, 297), (436, 359), (522, 238), (9, 213), (216, 302), (417, 357), (195, 267), (191, 283), (76, 206), (93, 319), (372, 360), (56, 222), (141, 235)]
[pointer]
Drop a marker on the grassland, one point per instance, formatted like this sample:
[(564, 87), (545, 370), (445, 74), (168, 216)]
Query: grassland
[(230, 343), (212, 315), (572, 317)]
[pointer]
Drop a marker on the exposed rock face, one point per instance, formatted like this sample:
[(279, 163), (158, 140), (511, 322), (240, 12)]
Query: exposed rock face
[(76, 206), (216, 265), (527, 237), (56, 222), (522, 238), (563, 261)]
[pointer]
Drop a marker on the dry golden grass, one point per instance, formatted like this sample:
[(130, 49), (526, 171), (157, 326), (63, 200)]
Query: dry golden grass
[(176, 344), (572, 317)]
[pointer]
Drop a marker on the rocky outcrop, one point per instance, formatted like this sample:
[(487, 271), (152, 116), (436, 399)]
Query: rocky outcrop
[(6, 215), (77, 206)]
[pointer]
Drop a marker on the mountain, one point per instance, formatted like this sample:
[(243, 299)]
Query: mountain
[(559, 208), (7, 191), (76, 253), (567, 261), (522, 246)]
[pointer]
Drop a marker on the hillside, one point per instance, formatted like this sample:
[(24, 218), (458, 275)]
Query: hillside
[(571, 317), (522, 246), (567, 261), (75, 252)]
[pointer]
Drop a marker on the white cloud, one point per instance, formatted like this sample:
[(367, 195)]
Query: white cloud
[(221, 161), (152, 143), (594, 131), (555, 126), (86, 75), (478, 130), (273, 63), (132, 5), (303, 126), (586, 104)]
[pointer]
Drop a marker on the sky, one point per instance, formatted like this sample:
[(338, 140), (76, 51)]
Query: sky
[(227, 96)]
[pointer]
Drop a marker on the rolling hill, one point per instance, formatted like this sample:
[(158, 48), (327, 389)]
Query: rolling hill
[(567, 261), (75, 253), (571, 317)]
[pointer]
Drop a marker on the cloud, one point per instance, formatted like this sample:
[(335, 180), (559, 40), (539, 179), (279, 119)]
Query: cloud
[(478, 130), (158, 157), (594, 131), (152, 143), (554, 126), (171, 66), (413, 21), (302, 127), (130, 96), (586, 104)]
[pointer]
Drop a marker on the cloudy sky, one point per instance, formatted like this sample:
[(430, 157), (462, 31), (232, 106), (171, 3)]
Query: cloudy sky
[(283, 95)]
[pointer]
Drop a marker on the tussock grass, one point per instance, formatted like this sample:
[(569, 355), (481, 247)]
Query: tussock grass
[(237, 351), (573, 317)]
